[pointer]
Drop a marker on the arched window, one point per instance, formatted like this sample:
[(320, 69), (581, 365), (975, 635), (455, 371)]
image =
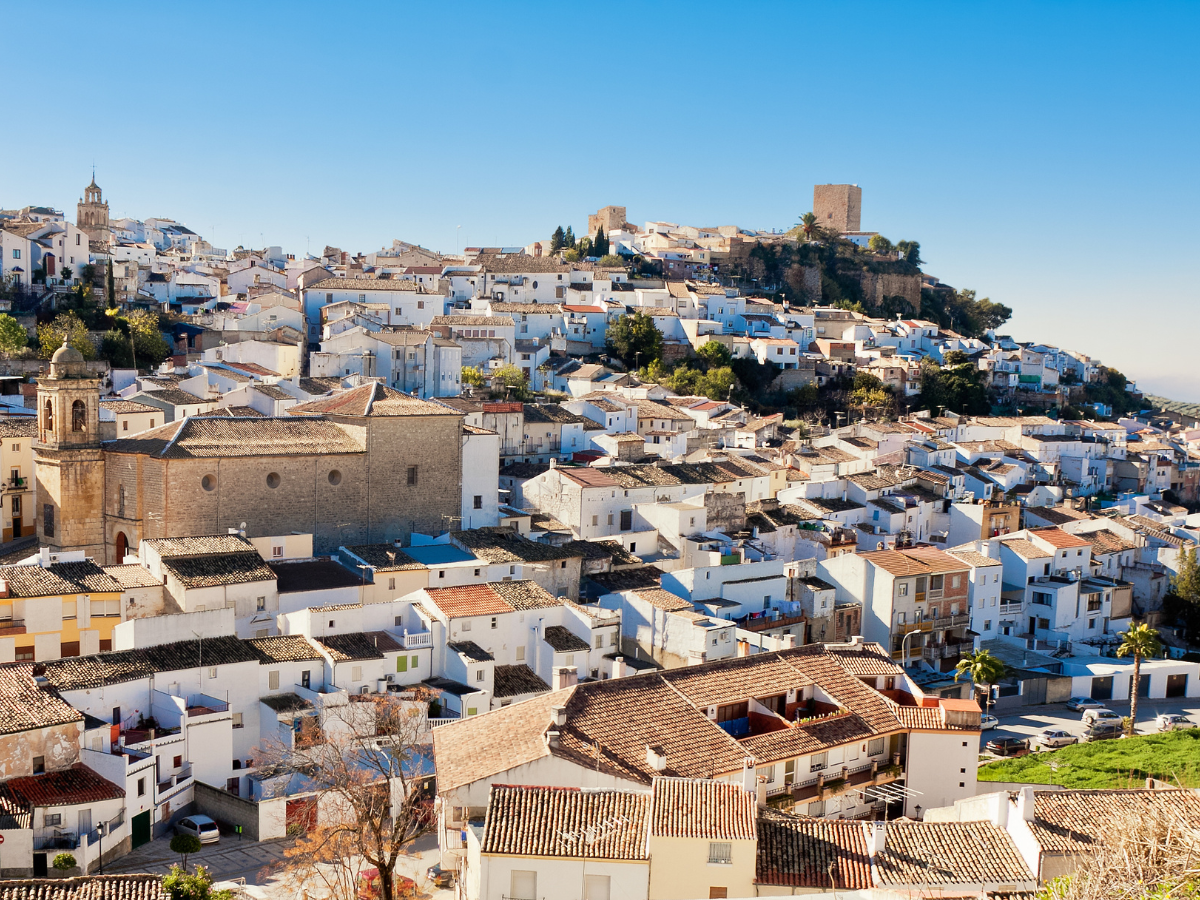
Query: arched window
[(122, 547), (49, 417), (79, 416)]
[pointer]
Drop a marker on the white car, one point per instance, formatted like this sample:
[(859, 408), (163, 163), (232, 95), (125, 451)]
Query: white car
[(1078, 703), (201, 827), (987, 722), (1100, 715), (1173, 722), (1053, 738)]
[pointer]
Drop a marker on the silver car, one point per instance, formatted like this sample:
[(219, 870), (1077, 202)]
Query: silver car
[(1100, 715), (1173, 722), (1052, 738), (198, 826)]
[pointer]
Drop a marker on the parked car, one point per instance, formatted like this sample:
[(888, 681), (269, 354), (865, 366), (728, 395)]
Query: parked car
[(987, 722), (1103, 731), (1053, 738), (1009, 746), (1173, 722), (1078, 703), (404, 888), (1100, 715), (442, 878), (201, 827)]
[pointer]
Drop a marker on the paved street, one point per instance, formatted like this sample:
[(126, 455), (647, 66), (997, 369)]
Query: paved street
[(1033, 719), (231, 858)]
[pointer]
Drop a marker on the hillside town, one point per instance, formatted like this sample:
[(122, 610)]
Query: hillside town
[(662, 562)]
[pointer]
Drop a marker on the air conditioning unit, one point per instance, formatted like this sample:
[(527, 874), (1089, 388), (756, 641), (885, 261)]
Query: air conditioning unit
[(364, 690), (391, 679)]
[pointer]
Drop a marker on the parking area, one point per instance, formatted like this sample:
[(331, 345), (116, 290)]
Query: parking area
[(1033, 719)]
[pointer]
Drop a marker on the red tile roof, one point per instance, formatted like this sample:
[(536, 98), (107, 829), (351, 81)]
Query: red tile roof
[(707, 810), (797, 851), (75, 785), (469, 600), (566, 822), (1058, 538)]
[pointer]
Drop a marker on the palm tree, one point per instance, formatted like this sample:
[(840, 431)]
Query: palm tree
[(1141, 641), (983, 668), (808, 226)]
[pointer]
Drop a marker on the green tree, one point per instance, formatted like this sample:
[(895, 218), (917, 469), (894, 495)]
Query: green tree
[(571, 255), (1140, 641), (714, 353), (600, 243), (66, 273), (1184, 600), (183, 885), (808, 227), (569, 239), (956, 386), (64, 862), (611, 259), (584, 247), (13, 336), (911, 251), (69, 327), (982, 668), (472, 376), (881, 245), (558, 239), (513, 381), (185, 845), (635, 339), (654, 373)]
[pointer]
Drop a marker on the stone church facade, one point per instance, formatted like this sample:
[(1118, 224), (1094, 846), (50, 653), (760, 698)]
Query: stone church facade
[(364, 466)]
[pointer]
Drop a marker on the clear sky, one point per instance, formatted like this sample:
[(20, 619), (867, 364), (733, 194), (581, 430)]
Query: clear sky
[(1044, 154)]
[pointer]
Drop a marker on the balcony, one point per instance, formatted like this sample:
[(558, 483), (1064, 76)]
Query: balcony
[(55, 839), (17, 484), (824, 787), (182, 777), (946, 650), (417, 640), (12, 626)]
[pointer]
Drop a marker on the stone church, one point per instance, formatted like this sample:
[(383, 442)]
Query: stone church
[(363, 466), (91, 213)]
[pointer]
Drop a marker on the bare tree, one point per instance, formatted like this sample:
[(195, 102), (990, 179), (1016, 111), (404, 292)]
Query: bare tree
[(366, 760)]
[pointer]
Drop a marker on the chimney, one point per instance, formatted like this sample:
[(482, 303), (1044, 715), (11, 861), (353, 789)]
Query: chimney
[(1025, 804), (876, 834), (656, 758), (749, 776), (618, 667), (551, 739), (565, 677), (760, 792), (558, 714), (1000, 816), (3, 587)]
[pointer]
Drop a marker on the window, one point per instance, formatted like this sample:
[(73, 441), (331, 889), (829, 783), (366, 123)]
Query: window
[(331, 621), (987, 624), (874, 746), (273, 680), (479, 674), (493, 621), (520, 654), (626, 520), (478, 501), (78, 416), (612, 639), (466, 626), (441, 573), (599, 642), (523, 885), (141, 787), (177, 762), (39, 765), (595, 522), (16, 254), (720, 854), (904, 589), (412, 475), (766, 773), (277, 551), (260, 603), (818, 762), (356, 673), (212, 672)]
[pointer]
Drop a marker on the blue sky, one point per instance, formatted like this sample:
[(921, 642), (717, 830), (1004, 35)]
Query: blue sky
[(1043, 154)]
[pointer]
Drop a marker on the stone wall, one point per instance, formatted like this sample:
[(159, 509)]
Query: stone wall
[(58, 745), (877, 287), (838, 206)]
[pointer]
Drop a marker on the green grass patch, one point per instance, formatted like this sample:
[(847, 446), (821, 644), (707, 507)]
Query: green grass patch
[(1123, 763)]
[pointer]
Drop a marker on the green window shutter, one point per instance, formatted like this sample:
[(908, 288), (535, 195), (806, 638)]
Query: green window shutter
[(401, 663)]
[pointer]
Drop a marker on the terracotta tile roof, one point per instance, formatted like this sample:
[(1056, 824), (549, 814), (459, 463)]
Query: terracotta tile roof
[(18, 427), (24, 706), (512, 681), (372, 400), (131, 576), (1074, 821), (662, 599), (468, 600), (1060, 515), (504, 545), (201, 545), (286, 703), (514, 735), (639, 579), (1058, 538), (864, 659), (975, 559), (198, 437), (809, 737), (123, 407), (563, 640), (174, 397), (797, 851), (896, 563), (936, 560), (284, 648), (213, 571), (702, 809), (58, 579), (492, 321), (1025, 549), (950, 853), (730, 680), (385, 558), (587, 477), (365, 284), (566, 822), (73, 785), (89, 887), (1105, 542), (359, 645), (525, 595), (116, 666)]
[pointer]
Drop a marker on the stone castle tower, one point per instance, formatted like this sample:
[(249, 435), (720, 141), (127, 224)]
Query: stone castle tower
[(91, 215), (68, 462), (838, 207)]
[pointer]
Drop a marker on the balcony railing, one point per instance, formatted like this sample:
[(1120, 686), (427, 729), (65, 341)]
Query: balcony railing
[(418, 639), (56, 839), (12, 626), (438, 722), (17, 482)]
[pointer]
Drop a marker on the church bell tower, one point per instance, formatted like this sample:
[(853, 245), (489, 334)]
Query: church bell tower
[(68, 461)]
